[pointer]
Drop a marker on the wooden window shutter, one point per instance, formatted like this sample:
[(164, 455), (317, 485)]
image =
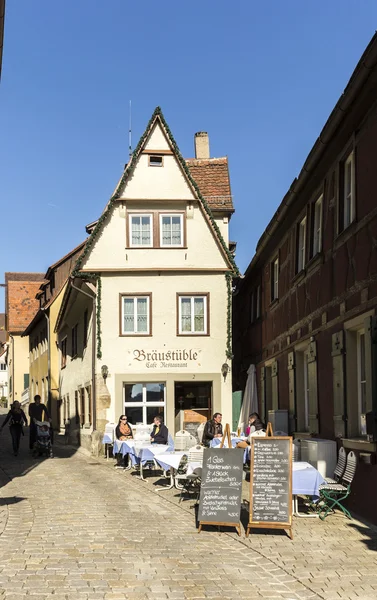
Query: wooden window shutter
[(370, 327), (292, 391), (313, 388), (263, 392), (275, 385), (340, 412)]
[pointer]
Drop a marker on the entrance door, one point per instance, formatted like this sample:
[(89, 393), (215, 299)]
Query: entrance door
[(193, 404), (143, 401)]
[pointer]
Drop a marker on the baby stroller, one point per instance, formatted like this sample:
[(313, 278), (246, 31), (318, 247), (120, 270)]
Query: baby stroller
[(42, 445)]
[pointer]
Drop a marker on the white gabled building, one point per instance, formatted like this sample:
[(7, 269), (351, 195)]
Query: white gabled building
[(156, 274)]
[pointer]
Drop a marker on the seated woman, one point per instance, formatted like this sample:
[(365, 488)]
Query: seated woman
[(160, 432), (255, 424), (123, 432)]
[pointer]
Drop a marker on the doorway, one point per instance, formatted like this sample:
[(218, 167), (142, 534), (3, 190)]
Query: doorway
[(192, 404)]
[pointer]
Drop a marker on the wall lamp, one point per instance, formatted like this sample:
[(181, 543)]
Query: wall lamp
[(225, 370), (104, 371)]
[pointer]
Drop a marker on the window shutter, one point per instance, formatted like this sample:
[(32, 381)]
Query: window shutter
[(274, 385), (370, 327), (263, 392), (340, 415), (313, 390), (292, 391)]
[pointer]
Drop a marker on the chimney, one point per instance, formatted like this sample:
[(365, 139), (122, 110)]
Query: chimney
[(201, 145)]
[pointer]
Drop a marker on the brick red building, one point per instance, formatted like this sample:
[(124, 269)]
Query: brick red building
[(305, 312)]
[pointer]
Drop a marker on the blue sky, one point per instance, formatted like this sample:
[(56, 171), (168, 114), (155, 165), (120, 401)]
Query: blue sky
[(260, 77)]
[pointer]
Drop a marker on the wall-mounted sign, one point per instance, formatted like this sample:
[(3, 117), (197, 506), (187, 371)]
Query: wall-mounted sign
[(166, 359)]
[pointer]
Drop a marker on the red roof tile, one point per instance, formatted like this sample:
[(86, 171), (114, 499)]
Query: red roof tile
[(212, 177), (21, 304)]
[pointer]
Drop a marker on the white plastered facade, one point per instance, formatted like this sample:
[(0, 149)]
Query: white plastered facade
[(198, 267)]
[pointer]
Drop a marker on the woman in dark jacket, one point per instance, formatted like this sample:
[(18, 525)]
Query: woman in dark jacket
[(160, 432), (123, 432), (17, 419), (256, 422)]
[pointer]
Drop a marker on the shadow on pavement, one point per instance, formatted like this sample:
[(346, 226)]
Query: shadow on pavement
[(369, 534), (5, 501), (18, 466)]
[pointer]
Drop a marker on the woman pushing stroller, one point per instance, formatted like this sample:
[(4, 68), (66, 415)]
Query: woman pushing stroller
[(17, 419)]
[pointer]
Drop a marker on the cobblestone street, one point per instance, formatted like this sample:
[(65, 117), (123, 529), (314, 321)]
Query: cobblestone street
[(76, 528)]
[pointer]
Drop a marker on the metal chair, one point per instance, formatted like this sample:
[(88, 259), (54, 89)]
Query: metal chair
[(192, 483), (195, 455), (340, 467), (332, 495), (296, 450), (184, 440)]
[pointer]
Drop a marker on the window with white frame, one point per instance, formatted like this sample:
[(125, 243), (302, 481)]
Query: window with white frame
[(141, 230), (193, 315), (171, 230), (348, 185), (317, 226), (3, 367), (361, 380), (135, 315), (301, 245), (144, 401), (275, 279)]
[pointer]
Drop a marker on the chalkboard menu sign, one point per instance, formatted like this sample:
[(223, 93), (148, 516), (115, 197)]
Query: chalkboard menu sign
[(271, 483), (221, 487)]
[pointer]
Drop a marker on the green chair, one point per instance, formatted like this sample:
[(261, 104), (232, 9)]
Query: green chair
[(332, 495)]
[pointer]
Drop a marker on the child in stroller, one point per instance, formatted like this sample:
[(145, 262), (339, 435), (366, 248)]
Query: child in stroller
[(42, 445)]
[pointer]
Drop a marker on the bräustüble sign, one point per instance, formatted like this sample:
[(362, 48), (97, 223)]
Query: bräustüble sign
[(165, 359)]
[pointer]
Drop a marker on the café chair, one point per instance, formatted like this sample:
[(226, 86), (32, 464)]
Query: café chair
[(191, 484), (332, 495), (184, 440), (195, 455), (340, 467)]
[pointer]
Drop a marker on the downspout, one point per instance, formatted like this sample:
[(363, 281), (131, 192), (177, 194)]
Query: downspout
[(13, 388), (48, 363), (94, 321)]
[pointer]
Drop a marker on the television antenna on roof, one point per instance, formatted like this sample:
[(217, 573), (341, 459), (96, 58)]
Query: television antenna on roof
[(130, 135)]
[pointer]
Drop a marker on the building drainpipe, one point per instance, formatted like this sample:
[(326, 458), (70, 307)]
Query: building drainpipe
[(94, 320), (13, 388), (48, 363)]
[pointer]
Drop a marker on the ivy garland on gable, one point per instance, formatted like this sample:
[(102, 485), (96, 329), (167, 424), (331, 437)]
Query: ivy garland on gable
[(127, 172)]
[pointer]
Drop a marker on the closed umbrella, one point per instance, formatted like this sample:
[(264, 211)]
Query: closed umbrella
[(250, 398)]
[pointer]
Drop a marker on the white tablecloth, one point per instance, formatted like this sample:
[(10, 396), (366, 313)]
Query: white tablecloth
[(170, 459), (305, 480)]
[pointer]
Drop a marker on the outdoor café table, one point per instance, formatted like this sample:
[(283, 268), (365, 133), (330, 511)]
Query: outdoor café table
[(305, 482), (143, 453), (124, 447), (169, 461), (215, 443)]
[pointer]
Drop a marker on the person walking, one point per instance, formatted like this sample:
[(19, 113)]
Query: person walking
[(16, 418), (37, 412)]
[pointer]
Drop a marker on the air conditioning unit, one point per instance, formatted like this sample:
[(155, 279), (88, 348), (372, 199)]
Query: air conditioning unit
[(321, 454), (278, 420)]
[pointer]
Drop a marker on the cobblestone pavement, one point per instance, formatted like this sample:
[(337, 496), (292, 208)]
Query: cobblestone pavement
[(75, 528)]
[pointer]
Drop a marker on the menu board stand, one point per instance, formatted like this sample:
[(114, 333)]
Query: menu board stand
[(226, 434), (271, 483), (221, 488)]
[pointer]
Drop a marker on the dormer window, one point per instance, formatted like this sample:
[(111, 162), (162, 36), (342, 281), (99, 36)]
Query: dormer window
[(155, 160)]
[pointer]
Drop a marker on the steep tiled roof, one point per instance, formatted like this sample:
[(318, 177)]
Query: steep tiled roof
[(21, 304), (212, 177)]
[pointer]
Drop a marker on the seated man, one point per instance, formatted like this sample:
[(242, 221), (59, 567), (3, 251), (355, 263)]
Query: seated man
[(212, 429), (160, 432)]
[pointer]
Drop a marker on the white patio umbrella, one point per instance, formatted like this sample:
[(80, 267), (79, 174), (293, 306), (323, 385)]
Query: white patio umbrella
[(250, 398)]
